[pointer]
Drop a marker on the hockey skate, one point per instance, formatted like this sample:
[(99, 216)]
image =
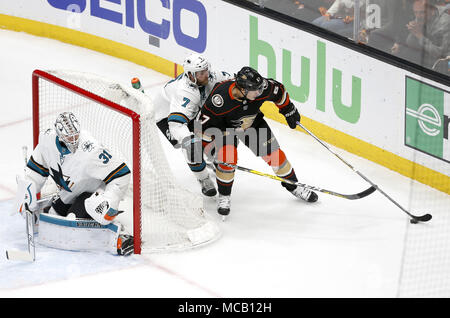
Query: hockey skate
[(208, 187), (125, 245), (223, 205), (305, 194)]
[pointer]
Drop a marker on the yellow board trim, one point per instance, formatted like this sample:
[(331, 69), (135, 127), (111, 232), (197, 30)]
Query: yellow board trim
[(363, 149), (337, 138), (91, 42)]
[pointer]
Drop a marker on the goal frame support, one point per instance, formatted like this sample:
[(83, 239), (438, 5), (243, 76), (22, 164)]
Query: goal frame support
[(38, 75)]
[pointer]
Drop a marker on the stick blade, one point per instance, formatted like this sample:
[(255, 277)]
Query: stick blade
[(360, 195), (424, 218), (366, 192), (13, 255)]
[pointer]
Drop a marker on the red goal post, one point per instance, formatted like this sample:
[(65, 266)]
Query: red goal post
[(159, 221)]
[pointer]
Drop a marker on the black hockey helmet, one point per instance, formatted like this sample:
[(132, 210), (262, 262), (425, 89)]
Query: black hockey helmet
[(249, 79)]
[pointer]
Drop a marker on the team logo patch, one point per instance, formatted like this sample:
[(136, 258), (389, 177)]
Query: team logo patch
[(87, 146), (102, 207), (217, 100)]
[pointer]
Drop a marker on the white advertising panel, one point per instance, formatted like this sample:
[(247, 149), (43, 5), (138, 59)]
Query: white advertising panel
[(380, 104)]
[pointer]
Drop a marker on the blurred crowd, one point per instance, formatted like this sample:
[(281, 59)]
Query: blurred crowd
[(414, 30)]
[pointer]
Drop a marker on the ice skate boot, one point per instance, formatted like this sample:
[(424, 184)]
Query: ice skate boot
[(125, 245), (208, 187), (305, 194), (223, 205)]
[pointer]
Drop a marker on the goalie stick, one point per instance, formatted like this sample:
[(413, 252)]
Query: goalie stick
[(29, 256), (356, 196), (414, 218)]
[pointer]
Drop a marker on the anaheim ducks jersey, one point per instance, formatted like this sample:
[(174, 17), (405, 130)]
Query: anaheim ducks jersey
[(222, 110), (186, 98), (91, 167)]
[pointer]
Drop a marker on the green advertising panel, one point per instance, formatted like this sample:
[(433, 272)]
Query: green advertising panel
[(426, 125)]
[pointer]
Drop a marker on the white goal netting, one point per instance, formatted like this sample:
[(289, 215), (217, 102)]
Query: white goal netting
[(165, 216)]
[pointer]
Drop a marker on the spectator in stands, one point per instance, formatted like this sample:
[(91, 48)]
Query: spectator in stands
[(305, 10), (376, 17), (339, 17), (442, 65), (429, 34), (313, 9), (390, 36)]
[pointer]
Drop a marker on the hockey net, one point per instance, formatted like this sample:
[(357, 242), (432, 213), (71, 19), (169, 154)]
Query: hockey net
[(165, 216)]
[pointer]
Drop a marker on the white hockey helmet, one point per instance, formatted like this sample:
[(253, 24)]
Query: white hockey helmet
[(195, 63), (68, 130)]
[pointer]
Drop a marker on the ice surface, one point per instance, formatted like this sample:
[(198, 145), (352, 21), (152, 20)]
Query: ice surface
[(272, 246)]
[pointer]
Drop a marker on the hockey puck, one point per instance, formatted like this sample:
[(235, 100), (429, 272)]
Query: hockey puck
[(413, 221)]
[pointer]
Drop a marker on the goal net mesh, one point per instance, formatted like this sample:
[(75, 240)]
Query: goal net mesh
[(166, 216), (425, 268)]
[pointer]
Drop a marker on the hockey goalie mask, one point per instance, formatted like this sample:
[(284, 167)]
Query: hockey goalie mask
[(197, 66), (68, 130)]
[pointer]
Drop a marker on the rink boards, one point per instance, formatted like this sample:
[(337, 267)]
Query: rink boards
[(375, 110)]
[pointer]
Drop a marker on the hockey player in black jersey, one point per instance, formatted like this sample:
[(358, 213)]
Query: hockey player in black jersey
[(232, 113)]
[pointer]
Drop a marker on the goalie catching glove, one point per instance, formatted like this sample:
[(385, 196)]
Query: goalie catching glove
[(102, 206), (291, 114)]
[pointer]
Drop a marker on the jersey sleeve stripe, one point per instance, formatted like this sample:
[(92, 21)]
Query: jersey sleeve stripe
[(121, 171), (178, 117), (36, 167)]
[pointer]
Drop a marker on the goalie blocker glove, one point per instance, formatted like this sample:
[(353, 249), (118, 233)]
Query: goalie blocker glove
[(291, 114)]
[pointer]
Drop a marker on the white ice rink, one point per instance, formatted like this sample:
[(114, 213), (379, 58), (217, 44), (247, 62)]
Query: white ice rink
[(272, 244)]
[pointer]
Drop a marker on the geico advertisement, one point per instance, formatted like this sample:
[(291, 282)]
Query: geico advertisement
[(169, 29)]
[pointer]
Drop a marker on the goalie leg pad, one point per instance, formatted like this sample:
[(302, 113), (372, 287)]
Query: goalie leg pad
[(78, 235)]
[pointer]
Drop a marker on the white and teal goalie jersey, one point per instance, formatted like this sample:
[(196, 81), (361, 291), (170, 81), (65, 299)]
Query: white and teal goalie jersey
[(90, 168)]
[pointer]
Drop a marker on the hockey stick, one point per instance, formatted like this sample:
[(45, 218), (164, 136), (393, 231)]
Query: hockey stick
[(29, 256), (414, 218), (336, 194)]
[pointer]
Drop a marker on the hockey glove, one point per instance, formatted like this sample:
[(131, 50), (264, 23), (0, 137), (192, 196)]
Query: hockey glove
[(291, 114), (193, 148)]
